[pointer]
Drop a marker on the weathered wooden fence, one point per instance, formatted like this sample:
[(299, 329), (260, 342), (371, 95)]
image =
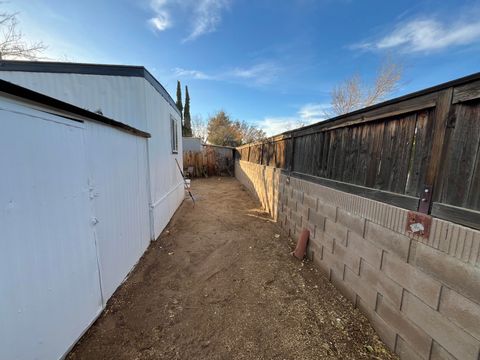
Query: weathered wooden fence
[(213, 160), (420, 151)]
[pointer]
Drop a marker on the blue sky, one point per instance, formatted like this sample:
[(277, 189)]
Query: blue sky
[(272, 63)]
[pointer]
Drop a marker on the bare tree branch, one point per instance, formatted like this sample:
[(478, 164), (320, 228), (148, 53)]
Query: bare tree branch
[(352, 94), (386, 82), (12, 43), (199, 128)]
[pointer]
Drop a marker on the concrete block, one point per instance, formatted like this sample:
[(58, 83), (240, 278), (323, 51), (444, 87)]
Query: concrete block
[(384, 285), (326, 240), (314, 250), (439, 353), (317, 219), (365, 249), (456, 341), (385, 332), (311, 227), (343, 287), (386, 239), (302, 211), (310, 202), (327, 210), (412, 279), (337, 231), (297, 195), (323, 265), (333, 263), (416, 338), (405, 352), (347, 257), (461, 311), (352, 222), (462, 277), (366, 293), (296, 218)]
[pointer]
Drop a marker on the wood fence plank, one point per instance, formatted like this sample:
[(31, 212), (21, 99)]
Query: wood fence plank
[(457, 214), (420, 153), (404, 201), (466, 92), (461, 156), (403, 144)]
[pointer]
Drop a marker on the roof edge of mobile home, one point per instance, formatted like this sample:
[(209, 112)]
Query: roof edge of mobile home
[(88, 69), (27, 94)]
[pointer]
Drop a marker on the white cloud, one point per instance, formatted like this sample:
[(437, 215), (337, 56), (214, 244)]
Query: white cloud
[(421, 35), (277, 125), (207, 15), (161, 21), (193, 74), (306, 115), (311, 113), (260, 74), (204, 15)]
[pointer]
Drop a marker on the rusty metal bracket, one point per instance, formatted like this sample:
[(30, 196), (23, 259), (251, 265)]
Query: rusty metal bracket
[(425, 200), (418, 224)]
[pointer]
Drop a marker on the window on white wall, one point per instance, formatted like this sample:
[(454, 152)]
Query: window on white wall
[(174, 134)]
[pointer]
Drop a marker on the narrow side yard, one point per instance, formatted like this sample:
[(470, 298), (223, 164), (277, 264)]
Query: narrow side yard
[(220, 284)]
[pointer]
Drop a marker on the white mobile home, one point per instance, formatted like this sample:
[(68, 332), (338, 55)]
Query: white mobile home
[(81, 196), (129, 94)]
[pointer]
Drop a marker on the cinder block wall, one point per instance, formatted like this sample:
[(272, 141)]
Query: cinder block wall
[(262, 181), (421, 295)]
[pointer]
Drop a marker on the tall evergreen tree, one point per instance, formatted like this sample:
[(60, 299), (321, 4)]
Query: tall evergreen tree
[(179, 99), (187, 129)]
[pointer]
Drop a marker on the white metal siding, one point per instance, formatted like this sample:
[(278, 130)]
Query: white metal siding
[(134, 101), (167, 190), (56, 264), (118, 97), (119, 191), (49, 281)]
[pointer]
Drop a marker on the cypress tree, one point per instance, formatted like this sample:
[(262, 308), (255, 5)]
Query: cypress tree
[(179, 98), (186, 115)]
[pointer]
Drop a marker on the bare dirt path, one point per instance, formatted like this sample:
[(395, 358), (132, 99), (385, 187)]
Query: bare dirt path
[(220, 284)]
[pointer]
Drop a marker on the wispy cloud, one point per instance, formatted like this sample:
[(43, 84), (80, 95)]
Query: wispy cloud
[(306, 115), (259, 74), (204, 15), (207, 15), (192, 74), (313, 112), (161, 21), (424, 35), (262, 73)]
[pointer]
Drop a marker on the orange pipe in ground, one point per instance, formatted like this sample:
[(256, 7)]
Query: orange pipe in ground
[(301, 249)]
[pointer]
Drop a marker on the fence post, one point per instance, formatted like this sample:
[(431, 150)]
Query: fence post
[(292, 153), (261, 154), (432, 186)]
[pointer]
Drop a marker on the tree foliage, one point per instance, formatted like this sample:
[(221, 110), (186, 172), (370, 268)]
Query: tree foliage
[(179, 99), (353, 94), (12, 42), (187, 128), (223, 131), (251, 133)]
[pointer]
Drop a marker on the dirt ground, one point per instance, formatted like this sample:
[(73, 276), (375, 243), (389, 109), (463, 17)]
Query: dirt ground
[(220, 284)]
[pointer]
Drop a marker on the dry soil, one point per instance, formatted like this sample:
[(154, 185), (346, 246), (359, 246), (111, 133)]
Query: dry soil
[(220, 283)]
